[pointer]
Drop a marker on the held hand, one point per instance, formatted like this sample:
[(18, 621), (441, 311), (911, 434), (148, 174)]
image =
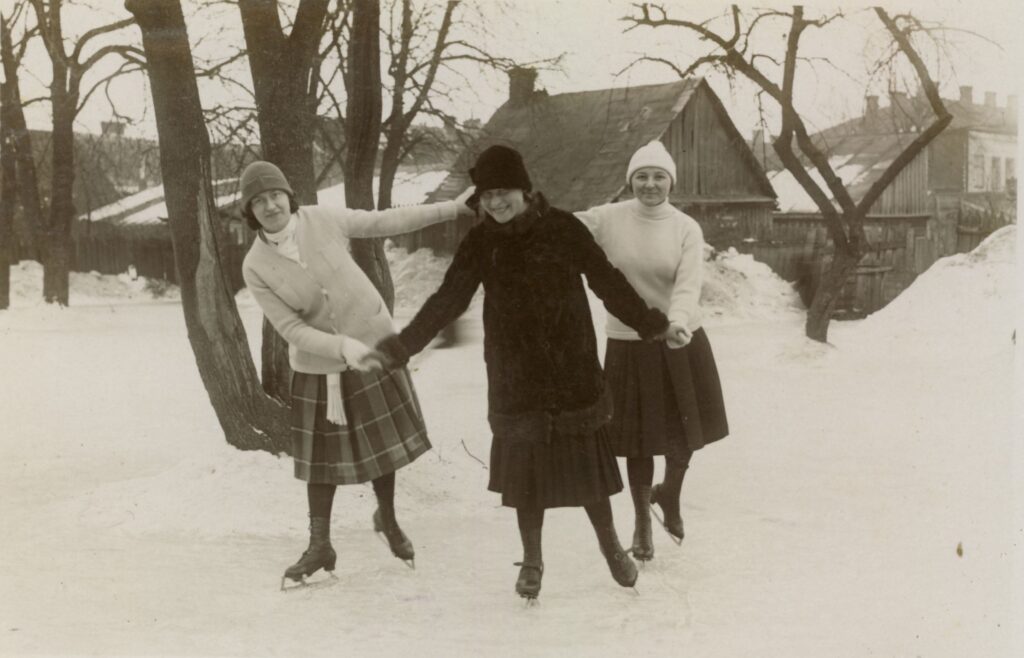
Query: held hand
[(460, 202), (677, 336), (374, 361), (358, 356)]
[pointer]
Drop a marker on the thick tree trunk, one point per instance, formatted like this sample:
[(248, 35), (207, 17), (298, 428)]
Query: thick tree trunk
[(28, 185), (286, 112), (8, 191), (844, 262), (362, 134), (57, 235), (250, 419), (389, 162)]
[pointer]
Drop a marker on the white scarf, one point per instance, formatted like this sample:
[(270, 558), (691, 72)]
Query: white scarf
[(286, 245)]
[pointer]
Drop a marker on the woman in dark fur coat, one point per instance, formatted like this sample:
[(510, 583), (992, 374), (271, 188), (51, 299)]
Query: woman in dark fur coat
[(546, 395)]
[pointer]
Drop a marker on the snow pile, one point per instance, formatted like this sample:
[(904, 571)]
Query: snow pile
[(416, 275), (88, 288), (737, 287), (961, 305)]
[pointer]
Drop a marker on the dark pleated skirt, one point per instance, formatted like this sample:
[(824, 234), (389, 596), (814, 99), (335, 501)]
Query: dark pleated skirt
[(385, 429), (662, 395), (563, 471)]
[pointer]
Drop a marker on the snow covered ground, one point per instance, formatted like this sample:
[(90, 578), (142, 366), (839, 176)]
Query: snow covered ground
[(864, 504)]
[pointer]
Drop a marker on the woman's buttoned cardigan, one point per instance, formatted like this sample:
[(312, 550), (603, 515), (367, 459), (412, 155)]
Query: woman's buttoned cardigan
[(315, 301)]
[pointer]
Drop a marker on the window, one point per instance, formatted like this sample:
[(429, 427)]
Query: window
[(976, 175), (995, 178)]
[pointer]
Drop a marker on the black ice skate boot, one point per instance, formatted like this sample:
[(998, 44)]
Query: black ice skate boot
[(619, 563), (384, 522), (531, 569), (643, 542), (319, 555), (666, 496)]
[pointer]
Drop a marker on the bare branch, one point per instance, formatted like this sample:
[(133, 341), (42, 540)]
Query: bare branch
[(95, 32)]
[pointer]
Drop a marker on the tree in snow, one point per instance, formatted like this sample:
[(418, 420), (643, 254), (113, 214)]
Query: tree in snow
[(733, 53), (71, 59), (20, 182), (250, 418)]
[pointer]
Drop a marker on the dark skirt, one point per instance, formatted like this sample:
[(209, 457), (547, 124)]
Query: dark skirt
[(385, 429), (661, 394), (562, 471)]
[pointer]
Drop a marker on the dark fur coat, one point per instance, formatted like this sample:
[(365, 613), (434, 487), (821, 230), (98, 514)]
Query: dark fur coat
[(539, 342)]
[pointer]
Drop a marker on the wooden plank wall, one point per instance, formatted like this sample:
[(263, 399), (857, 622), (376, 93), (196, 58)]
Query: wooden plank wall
[(801, 251)]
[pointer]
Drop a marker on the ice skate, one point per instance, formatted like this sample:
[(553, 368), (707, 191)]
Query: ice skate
[(528, 582), (396, 540), (669, 517), (622, 567), (319, 555), (643, 542)]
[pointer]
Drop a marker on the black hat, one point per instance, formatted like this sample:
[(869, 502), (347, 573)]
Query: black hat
[(499, 167)]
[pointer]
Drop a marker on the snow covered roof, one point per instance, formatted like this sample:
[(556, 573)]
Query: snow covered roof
[(148, 207)]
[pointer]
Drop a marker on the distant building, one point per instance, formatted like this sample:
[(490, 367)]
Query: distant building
[(577, 147), (956, 192)]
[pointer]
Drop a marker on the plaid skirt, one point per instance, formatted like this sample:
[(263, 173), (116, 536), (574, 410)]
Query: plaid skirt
[(562, 471), (662, 395), (385, 428)]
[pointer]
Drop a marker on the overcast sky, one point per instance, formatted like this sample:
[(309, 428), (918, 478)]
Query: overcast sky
[(598, 54)]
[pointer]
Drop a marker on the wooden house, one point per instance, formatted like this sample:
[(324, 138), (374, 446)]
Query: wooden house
[(956, 192), (577, 146)]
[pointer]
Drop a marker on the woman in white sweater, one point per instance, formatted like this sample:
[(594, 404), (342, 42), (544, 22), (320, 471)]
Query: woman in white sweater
[(667, 399), (350, 423)]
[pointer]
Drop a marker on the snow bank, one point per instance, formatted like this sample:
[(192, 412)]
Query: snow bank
[(738, 288), (962, 305), (88, 288), (416, 275)]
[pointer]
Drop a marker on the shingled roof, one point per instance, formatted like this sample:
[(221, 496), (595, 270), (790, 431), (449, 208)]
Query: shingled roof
[(577, 145), (861, 148)]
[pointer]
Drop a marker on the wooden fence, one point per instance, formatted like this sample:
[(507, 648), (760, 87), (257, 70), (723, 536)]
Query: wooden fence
[(901, 248)]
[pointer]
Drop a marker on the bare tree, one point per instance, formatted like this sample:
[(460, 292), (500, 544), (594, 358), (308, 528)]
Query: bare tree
[(66, 100), (733, 54), (425, 43), (8, 192), (12, 52), (284, 76), (362, 134), (250, 419)]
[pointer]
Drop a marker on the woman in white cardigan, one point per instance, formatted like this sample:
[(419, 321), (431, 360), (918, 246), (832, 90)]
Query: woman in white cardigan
[(667, 400), (351, 423)]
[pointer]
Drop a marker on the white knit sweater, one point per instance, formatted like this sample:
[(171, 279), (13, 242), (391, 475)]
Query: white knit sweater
[(660, 250)]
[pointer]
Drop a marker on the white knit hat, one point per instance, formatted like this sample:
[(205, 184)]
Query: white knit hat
[(652, 154)]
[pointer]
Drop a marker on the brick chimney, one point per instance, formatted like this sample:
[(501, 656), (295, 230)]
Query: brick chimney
[(112, 128), (520, 85), (871, 106), (967, 95), (990, 99)]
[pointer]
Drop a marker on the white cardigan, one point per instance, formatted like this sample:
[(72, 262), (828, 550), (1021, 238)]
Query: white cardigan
[(315, 301)]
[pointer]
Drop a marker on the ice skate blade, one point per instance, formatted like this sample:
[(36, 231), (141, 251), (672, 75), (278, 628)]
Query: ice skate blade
[(530, 601), (661, 522), (411, 563), (302, 583)]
